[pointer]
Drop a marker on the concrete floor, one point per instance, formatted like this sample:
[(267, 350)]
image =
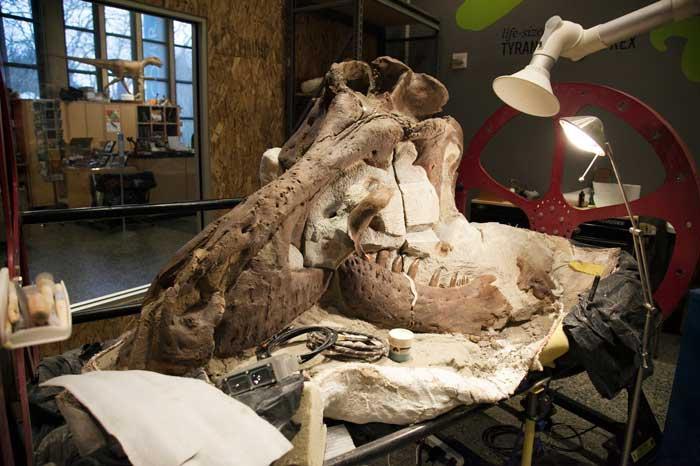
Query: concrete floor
[(97, 258), (657, 389)]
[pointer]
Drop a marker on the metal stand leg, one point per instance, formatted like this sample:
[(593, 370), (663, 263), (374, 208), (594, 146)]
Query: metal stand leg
[(529, 426), (640, 255)]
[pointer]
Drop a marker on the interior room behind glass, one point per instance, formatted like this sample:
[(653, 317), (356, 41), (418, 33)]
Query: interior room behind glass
[(103, 107)]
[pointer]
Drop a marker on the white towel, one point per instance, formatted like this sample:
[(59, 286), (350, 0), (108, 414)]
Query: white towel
[(165, 420)]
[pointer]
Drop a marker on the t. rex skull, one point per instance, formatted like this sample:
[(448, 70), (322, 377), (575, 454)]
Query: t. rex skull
[(363, 191)]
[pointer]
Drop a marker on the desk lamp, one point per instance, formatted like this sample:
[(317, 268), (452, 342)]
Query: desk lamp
[(530, 91), (587, 133)]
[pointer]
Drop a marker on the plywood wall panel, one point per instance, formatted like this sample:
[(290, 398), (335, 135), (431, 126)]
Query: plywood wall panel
[(90, 332)]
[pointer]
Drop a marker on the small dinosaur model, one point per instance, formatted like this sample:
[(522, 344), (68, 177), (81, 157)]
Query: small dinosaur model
[(121, 68)]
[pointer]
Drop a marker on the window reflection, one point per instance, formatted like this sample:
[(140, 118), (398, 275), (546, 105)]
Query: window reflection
[(20, 8), (78, 14), (19, 51), (19, 41), (117, 21), (184, 87), (153, 28), (182, 33)]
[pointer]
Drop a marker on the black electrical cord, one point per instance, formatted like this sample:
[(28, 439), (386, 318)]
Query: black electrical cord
[(265, 349), (491, 435), (578, 435)]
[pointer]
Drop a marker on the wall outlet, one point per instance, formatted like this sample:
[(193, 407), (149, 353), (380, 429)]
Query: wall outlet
[(459, 61)]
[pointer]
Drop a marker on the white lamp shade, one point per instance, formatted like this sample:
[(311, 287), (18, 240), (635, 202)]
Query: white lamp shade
[(528, 91), (585, 133)]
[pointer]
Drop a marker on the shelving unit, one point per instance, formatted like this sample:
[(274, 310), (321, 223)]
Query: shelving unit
[(40, 148), (375, 16), (157, 122)]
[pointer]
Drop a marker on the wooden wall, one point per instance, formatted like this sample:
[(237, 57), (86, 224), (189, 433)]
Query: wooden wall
[(320, 41), (245, 73), (90, 332)]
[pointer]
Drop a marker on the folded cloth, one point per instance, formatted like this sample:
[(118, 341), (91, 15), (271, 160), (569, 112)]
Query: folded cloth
[(165, 420)]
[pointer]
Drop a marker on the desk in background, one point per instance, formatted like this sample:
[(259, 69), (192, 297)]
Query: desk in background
[(175, 174), (79, 182)]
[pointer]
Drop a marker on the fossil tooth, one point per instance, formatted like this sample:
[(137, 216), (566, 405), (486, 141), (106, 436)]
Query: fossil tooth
[(413, 269), (383, 257), (463, 281), (397, 266), (435, 279), (454, 280)]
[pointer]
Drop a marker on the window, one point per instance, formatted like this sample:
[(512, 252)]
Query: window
[(184, 90), (79, 20), (155, 44), (19, 48), (46, 45), (119, 44)]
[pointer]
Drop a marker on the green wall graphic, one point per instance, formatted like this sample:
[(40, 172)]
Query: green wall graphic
[(690, 30), (475, 15)]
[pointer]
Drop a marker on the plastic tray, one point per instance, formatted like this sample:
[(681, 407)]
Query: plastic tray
[(32, 335)]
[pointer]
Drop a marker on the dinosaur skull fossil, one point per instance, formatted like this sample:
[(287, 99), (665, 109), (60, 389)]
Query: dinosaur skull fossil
[(363, 192)]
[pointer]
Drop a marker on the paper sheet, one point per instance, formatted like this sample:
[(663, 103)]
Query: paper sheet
[(166, 420)]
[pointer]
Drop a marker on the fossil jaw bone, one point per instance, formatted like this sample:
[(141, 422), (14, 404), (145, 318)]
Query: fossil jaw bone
[(384, 297)]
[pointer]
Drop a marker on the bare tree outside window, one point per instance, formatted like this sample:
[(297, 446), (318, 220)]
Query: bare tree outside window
[(79, 20), (19, 48)]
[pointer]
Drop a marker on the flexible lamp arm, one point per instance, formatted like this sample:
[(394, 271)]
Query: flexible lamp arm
[(568, 39)]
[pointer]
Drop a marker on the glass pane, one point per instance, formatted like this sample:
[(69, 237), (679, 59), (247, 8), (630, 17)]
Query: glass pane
[(112, 259), (16, 7), (78, 13), (160, 51), (155, 89), (182, 33), (184, 99), (117, 21), (119, 47), (80, 44), (116, 90), (183, 64), (24, 81), (187, 132), (153, 27), (82, 80), (77, 66), (19, 41)]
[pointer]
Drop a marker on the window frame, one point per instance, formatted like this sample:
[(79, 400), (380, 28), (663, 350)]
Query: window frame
[(3, 49)]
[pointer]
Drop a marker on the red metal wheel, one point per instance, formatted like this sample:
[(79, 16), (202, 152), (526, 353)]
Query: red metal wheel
[(676, 201)]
